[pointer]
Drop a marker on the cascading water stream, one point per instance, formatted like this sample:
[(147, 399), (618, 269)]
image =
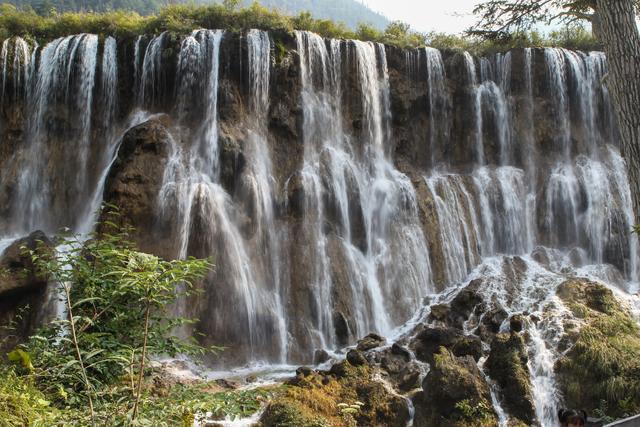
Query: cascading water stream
[(62, 85), (439, 102), (386, 200), (260, 180)]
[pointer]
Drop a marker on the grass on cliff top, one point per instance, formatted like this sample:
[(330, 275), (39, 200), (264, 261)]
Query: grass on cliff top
[(182, 19), (602, 369)]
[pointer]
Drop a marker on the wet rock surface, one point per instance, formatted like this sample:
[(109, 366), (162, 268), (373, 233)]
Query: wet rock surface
[(134, 183), (507, 366), (455, 393), (23, 290), (428, 342)]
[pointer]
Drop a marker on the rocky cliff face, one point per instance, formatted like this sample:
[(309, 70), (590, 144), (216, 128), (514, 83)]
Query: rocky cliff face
[(335, 183)]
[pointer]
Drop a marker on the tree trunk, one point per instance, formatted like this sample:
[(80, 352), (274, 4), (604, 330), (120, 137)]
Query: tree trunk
[(615, 26)]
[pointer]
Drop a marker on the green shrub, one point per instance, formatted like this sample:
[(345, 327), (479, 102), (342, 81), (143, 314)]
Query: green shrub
[(115, 300)]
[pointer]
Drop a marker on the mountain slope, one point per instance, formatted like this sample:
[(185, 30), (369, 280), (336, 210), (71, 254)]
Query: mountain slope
[(350, 12)]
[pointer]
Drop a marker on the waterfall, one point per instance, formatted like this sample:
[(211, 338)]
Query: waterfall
[(150, 77), (109, 82), (556, 64), (63, 89), (260, 181), (460, 227), (15, 62), (439, 102), (385, 199), (205, 216), (290, 170)]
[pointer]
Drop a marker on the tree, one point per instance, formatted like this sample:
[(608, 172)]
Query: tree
[(614, 24)]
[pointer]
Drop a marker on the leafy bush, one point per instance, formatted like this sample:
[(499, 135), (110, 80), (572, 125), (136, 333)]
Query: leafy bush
[(115, 301)]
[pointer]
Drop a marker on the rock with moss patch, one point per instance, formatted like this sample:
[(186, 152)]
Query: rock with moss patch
[(428, 342), (287, 412), (601, 369), (455, 394), (317, 400), (507, 366), (370, 342)]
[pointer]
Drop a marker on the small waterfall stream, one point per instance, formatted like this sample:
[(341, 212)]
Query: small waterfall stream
[(373, 233)]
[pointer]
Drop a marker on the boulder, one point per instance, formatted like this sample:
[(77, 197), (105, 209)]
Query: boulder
[(439, 312), (429, 341), (455, 394), (404, 372), (18, 272), (356, 358), (516, 323), (320, 356), (493, 318), (134, 183), (23, 292), (370, 342), (465, 302), (507, 366)]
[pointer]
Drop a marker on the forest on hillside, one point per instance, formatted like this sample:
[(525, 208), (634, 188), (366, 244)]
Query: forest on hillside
[(350, 12)]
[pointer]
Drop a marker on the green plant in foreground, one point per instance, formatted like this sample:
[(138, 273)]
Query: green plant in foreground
[(115, 300), (21, 403)]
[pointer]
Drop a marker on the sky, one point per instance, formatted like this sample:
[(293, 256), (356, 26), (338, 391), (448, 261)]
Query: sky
[(448, 16)]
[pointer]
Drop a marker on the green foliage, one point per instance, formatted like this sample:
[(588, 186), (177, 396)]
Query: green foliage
[(29, 24), (573, 37), (116, 300), (21, 403), (470, 412), (350, 12), (182, 19)]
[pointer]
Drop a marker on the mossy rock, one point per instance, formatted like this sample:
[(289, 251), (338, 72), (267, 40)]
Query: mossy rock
[(601, 370), (455, 394), (286, 412), (317, 399), (507, 366)]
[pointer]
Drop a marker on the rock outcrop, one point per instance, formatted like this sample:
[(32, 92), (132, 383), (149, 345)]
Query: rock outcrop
[(134, 183), (507, 366), (319, 399), (455, 394), (428, 342), (601, 369), (23, 290)]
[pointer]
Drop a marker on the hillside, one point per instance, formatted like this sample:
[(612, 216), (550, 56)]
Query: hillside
[(350, 12)]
